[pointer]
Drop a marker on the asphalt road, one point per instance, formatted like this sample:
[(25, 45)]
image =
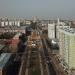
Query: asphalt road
[(48, 60)]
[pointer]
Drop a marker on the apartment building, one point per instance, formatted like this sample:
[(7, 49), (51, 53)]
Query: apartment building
[(61, 43), (4, 23), (51, 31), (67, 46)]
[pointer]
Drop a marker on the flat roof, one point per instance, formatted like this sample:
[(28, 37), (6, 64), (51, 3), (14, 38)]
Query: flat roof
[(69, 31)]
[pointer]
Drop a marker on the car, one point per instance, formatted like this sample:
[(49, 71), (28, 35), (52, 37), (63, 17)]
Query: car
[(33, 44)]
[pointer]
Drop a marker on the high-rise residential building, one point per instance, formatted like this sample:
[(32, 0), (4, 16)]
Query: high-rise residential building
[(9, 22), (2, 24), (67, 46), (61, 43), (59, 25), (34, 19), (51, 31), (6, 23)]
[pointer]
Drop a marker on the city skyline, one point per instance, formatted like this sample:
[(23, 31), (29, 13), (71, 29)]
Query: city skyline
[(41, 8)]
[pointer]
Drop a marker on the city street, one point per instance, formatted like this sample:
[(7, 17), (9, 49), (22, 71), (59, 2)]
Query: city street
[(48, 60)]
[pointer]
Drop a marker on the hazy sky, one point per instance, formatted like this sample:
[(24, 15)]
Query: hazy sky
[(40, 8)]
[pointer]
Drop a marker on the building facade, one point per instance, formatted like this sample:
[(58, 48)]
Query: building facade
[(67, 46), (51, 31), (5, 23), (61, 43)]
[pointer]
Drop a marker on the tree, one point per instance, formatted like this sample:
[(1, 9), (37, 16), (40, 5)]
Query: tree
[(21, 46), (23, 38)]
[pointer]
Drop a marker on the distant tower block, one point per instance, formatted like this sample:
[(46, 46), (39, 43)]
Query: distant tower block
[(34, 19), (58, 22)]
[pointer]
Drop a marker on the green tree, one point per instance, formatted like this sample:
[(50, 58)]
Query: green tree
[(23, 38)]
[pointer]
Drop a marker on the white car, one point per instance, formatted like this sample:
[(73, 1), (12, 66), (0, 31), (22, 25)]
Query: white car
[(33, 44)]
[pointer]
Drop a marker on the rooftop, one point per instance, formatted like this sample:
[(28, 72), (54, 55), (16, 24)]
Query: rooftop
[(4, 57), (68, 30)]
